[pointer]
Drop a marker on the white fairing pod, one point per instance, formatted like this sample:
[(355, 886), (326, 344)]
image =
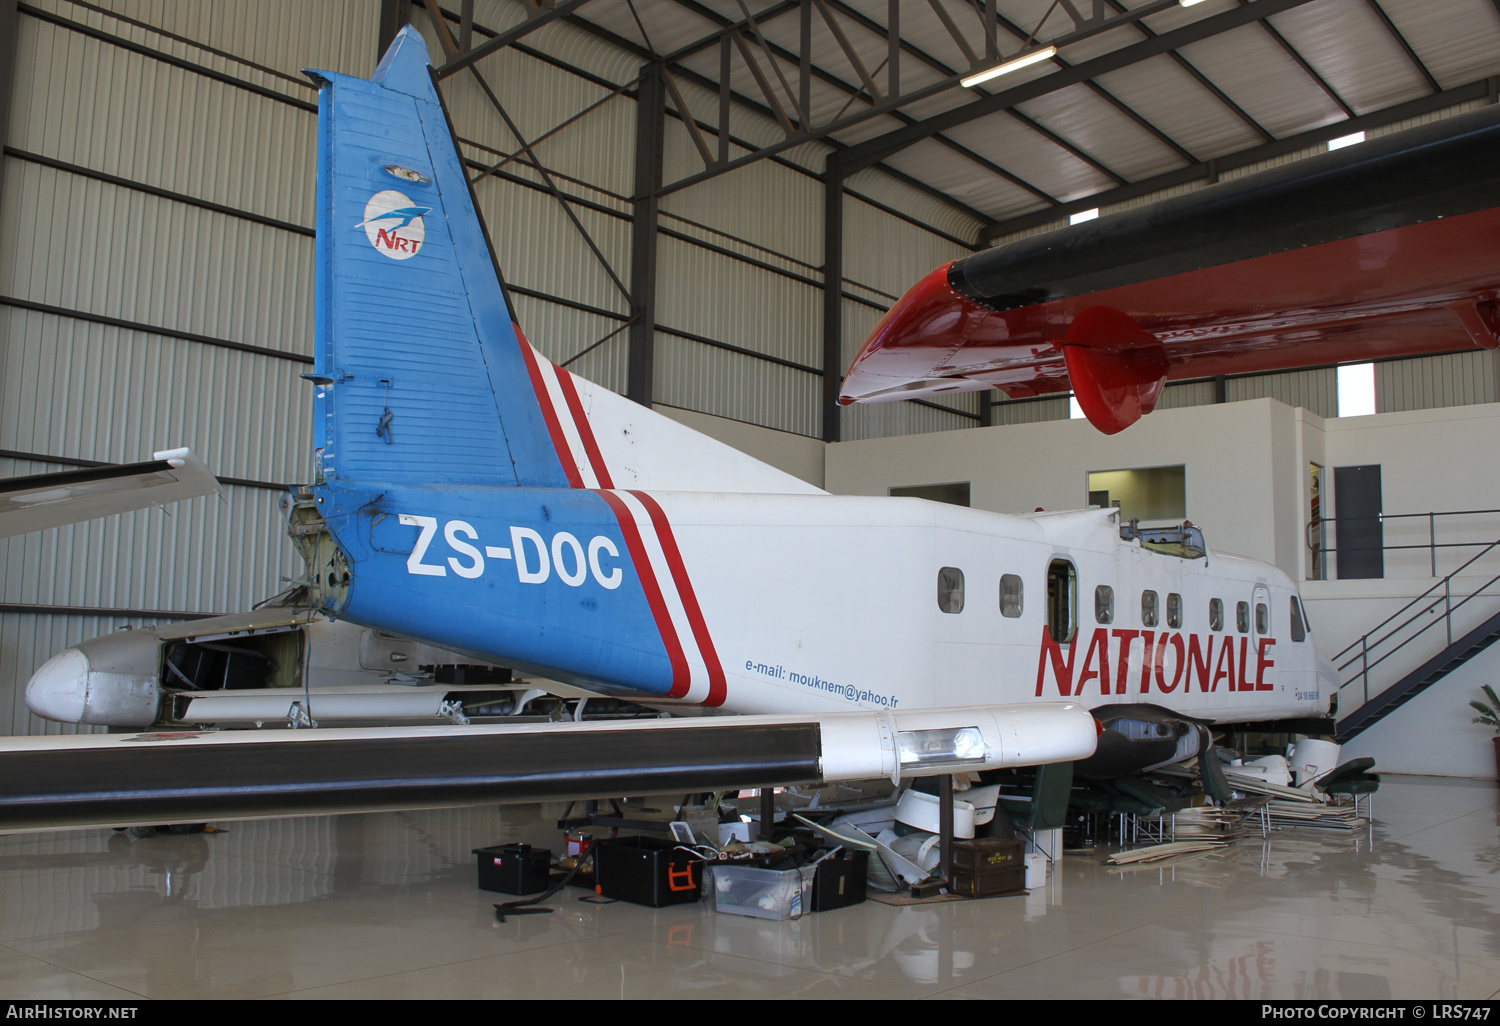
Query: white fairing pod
[(67, 688), (928, 742)]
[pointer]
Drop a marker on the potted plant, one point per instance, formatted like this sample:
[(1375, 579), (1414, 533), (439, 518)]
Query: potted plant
[(1489, 715)]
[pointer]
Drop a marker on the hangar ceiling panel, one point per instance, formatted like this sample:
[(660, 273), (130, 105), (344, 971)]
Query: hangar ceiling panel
[(1094, 125), (1230, 76), (1455, 49), (1031, 155), (960, 178), (1263, 80), (1356, 55), (1169, 97)]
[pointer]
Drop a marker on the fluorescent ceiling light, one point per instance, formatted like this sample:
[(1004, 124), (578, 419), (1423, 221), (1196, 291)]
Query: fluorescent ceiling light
[(1015, 63), (1346, 140), (1188, 3), (1083, 215)]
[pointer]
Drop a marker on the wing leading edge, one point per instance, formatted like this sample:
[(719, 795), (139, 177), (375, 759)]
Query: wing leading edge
[(1387, 248), (150, 779)]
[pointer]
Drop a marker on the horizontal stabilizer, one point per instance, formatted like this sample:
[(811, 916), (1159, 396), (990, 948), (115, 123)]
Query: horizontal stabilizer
[(69, 496)]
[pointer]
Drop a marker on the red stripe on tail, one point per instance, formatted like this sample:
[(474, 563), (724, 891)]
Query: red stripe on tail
[(680, 676), (544, 400), (585, 429), (716, 686)]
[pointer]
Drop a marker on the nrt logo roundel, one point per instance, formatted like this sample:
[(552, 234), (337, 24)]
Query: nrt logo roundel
[(393, 224)]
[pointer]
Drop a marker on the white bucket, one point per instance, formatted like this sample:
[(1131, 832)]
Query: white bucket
[(1036, 871), (1311, 759)]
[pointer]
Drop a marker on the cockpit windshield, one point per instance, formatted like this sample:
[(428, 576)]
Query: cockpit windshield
[(1182, 539)]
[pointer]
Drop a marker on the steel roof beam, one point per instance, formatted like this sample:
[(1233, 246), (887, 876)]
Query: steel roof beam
[(539, 18), (1395, 33), (731, 30), (1295, 55), (1103, 93), (1204, 81), (728, 28), (869, 152), (1487, 89), (932, 62), (450, 45)]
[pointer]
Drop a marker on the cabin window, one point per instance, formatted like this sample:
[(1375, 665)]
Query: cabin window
[(1242, 617), (1012, 596), (1062, 600), (1104, 604), (1262, 619), (1174, 610), (950, 589), (1299, 630), (1215, 614), (1149, 608)]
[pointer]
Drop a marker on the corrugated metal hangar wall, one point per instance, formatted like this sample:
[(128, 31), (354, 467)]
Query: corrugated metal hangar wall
[(156, 267)]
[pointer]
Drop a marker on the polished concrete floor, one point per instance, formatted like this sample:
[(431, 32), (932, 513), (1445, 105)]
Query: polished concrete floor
[(385, 906)]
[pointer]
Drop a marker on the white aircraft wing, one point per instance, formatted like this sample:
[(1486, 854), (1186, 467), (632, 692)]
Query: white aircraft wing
[(47, 500), (152, 779)]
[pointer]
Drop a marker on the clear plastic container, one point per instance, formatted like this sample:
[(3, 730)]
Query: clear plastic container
[(762, 893)]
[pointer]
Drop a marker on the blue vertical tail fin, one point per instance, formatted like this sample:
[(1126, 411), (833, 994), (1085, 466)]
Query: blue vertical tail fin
[(422, 375)]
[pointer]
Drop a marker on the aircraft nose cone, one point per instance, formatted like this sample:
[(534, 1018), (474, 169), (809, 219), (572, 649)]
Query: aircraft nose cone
[(59, 688)]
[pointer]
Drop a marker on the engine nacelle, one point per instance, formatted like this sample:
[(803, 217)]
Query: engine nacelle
[(1139, 737)]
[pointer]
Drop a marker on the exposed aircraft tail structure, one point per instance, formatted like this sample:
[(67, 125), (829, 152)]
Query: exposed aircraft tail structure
[(455, 463), (424, 375)]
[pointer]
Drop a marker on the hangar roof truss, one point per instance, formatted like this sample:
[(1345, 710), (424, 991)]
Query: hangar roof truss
[(1139, 96)]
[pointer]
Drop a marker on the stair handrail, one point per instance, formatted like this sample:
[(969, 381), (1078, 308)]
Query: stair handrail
[(1319, 523), (1364, 644)]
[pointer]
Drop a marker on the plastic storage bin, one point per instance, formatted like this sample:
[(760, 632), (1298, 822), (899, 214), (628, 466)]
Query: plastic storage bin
[(647, 871), (839, 880), (762, 893), (514, 868)]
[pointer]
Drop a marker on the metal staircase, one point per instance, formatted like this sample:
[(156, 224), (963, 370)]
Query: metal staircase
[(1390, 637)]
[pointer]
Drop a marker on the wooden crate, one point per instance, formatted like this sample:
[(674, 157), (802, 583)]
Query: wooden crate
[(985, 867)]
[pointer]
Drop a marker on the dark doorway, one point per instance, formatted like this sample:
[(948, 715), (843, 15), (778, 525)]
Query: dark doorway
[(1358, 532)]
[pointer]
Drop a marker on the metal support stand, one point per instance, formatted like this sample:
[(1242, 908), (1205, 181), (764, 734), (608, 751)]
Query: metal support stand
[(767, 812), (592, 818), (940, 883)]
